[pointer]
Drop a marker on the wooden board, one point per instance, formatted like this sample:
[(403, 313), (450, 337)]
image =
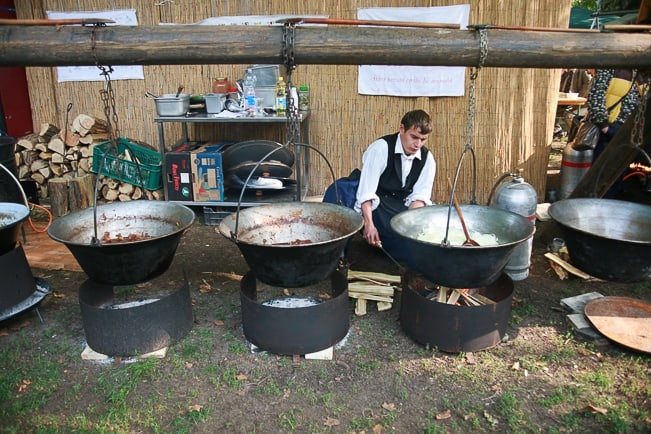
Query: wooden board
[(45, 253)]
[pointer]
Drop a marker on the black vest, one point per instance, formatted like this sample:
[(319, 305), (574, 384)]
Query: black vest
[(390, 189)]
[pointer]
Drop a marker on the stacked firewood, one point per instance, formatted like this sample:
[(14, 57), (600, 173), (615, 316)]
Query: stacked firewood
[(366, 286), (56, 158)]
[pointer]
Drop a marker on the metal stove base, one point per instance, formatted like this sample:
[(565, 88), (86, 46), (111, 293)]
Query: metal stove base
[(19, 290), (137, 328), (452, 328), (299, 330)]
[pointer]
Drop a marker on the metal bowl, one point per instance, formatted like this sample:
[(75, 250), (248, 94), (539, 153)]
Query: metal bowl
[(292, 244), (458, 266), (12, 215), (124, 263), (606, 238)]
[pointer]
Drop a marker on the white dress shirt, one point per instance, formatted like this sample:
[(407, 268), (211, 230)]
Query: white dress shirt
[(374, 161)]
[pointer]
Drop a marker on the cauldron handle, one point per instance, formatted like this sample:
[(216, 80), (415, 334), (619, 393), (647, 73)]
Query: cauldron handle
[(20, 187), (473, 201), (246, 182)]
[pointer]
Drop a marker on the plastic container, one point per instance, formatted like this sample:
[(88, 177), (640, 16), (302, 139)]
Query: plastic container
[(266, 75), (250, 97), (171, 105), (221, 85), (215, 102), (144, 169), (304, 98)]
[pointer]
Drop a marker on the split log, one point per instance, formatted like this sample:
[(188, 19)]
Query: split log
[(47, 131), (28, 142), (81, 192), (39, 178)]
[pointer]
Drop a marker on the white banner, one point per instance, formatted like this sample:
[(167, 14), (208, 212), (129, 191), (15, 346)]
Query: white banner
[(414, 80), (122, 17)]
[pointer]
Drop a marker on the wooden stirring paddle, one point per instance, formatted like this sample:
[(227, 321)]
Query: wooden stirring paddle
[(469, 241)]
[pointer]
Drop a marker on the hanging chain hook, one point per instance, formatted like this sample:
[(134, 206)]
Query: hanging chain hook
[(293, 124)]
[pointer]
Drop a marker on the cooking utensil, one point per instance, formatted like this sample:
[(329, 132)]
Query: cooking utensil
[(469, 241), (12, 215), (150, 95), (457, 266), (178, 91), (398, 264), (158, 224), (292, 244), (274, 169), (256, 150), (606, 238)]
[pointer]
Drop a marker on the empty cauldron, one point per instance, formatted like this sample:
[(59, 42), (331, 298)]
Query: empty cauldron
[(458, 266), (292, 244), (607, 238), (12, 215), (157, 226)]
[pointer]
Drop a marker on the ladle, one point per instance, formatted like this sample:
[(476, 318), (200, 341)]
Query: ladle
[(178, 91), (469, 241), (151, 95)]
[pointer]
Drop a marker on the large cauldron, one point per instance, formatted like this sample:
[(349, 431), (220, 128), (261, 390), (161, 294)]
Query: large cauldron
[(292, 244), (160, 223), (607, 238), (457, 266), (12, 215)]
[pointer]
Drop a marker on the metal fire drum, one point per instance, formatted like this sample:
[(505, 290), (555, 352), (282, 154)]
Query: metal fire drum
[(19, 290), (452, 328), (299, 330), (139, 329)]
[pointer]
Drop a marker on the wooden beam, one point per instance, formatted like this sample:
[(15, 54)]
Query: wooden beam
[(333, 45)]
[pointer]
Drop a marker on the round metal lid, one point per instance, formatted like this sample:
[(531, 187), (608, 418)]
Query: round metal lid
[(624, 320), (256, 150)]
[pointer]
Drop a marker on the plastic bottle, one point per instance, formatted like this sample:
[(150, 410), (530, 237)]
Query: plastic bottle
[(293, 94), (281, 97), (249, 97), (303, 98)]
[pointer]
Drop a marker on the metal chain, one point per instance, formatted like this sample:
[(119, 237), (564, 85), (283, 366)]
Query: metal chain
[(637, 132), (107, 94), (293, 116), (470, 120)]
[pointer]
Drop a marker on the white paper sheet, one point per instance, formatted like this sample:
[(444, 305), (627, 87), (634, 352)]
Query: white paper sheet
[(122, 17), (414, 80)]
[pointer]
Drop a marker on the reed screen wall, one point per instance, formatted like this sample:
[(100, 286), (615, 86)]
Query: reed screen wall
[(515, 108)]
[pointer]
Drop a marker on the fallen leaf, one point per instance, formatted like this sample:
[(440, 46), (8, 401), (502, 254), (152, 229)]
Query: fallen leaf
[(58, 295), (24, 385), (325, 296), (4, 332), (195, 407), (377, 429), (444, 415), (329, 421), (218, 322), (470, 358), (286, 292), (515, 366), (204, 287), (188, 364), (388, 406), (595, 409), (241, 377)]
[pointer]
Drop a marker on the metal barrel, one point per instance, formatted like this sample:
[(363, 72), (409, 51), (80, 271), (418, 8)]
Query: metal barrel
[(574, 166)]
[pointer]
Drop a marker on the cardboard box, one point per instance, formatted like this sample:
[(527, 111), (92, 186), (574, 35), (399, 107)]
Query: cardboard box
[(208, 174), (178, 172)]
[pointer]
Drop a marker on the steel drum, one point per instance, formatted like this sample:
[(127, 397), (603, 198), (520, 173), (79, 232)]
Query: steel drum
[(292, 244), (458, 266), (606, 238), (161, 225)]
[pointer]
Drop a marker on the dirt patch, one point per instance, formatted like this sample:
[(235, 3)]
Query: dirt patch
[(544, 377)]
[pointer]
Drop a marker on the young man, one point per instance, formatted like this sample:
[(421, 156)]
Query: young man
[(397, 174)]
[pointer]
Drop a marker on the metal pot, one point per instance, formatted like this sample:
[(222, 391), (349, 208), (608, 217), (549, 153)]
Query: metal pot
[(607, 238), (457, 266), (12, 215), (124, 263), (292, 244)]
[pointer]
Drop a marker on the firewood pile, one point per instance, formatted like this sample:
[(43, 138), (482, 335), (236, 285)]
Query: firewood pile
[(60, 163), (366, 286)]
